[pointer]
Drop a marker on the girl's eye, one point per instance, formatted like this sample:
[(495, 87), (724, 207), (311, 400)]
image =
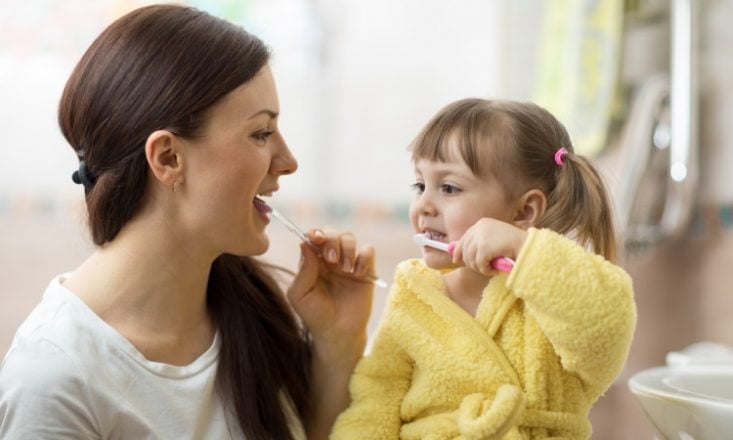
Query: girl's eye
[(263, 135), (449, 189), (418, 187)]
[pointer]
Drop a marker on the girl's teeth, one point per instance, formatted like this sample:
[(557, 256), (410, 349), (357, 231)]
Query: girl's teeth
[(435, 235)]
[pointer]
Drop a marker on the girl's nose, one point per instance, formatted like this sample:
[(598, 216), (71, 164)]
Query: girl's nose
[(424, 206)]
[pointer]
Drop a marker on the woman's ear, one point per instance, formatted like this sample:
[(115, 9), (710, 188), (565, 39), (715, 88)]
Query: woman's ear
[(162, 151), (530, 209)]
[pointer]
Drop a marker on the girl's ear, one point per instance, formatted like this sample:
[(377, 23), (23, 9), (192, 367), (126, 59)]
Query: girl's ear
[(530, 209), (162, 151)]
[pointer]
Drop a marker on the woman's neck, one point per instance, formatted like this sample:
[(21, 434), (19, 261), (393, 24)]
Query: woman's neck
[(465, 287), (151, 288)]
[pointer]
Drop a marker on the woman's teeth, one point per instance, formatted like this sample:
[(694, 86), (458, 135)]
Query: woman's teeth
[(261, 206)]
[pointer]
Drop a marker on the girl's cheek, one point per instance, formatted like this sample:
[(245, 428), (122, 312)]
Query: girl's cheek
[(413, 217)]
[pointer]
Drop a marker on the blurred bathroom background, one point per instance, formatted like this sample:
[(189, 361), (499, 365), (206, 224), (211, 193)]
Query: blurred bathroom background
[(644, 86)]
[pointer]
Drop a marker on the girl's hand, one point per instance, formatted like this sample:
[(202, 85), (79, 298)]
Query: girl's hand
[(486, 240), (331, 296)]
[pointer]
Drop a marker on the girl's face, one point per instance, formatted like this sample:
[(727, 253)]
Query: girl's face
[(239, 157), (449, 199)]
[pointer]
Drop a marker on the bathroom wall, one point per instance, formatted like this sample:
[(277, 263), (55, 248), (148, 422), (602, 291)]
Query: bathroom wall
[(683, 286)]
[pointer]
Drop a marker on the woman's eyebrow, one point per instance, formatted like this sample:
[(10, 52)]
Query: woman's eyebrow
[(268, 112)]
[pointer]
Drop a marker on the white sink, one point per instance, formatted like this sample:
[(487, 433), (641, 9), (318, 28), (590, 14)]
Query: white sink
[(690, 403)]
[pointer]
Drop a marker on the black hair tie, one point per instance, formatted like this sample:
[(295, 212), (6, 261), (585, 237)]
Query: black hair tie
[(82, 176)]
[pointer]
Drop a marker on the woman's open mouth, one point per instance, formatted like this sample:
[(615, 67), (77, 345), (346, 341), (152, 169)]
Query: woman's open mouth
[(261, 206)]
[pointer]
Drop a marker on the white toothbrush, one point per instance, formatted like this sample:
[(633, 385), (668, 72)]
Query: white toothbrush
[(299, 232), (502, 264)]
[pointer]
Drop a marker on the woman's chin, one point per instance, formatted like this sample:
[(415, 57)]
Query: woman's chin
[(254, 247)]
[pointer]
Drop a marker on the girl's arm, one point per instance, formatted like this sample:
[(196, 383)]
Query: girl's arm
[(582, 303)]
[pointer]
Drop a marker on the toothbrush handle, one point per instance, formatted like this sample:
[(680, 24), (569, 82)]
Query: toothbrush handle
[(502, 264)]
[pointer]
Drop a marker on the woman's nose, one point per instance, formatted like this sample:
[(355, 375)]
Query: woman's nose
[(283, 161)]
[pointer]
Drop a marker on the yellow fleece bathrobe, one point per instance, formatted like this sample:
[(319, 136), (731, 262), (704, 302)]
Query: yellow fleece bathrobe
[(546, 342)]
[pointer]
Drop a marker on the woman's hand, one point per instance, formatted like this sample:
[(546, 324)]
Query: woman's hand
[(334, 301), (486, 240), (330, 293)]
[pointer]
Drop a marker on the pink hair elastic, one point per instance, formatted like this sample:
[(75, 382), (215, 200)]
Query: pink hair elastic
[(560, 156)]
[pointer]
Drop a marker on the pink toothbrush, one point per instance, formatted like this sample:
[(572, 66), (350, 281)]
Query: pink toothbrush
[(502, 264)]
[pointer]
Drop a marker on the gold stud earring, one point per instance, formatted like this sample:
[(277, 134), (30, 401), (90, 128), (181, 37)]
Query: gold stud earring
[(175, 185)]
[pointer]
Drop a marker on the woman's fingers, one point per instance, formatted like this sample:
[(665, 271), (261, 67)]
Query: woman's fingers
[(307, 275), (348, 252), (338, 249), (364, 262)]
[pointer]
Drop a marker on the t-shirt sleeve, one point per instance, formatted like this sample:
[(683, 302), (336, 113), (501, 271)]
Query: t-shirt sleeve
[(43, 395)]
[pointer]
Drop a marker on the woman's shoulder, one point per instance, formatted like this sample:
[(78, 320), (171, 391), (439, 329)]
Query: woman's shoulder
[(38, 365), (39, 377), (51, 339)]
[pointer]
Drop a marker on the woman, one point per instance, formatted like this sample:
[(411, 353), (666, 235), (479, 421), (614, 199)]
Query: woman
[(170, 329)]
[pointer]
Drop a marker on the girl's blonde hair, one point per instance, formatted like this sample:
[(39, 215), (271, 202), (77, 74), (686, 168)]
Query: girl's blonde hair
[(516, 142)]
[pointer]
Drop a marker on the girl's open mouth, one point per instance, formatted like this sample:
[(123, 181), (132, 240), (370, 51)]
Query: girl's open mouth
[(434, 235)]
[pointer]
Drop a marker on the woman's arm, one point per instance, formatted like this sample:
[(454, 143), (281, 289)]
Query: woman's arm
[(334, 304), (330, 377)]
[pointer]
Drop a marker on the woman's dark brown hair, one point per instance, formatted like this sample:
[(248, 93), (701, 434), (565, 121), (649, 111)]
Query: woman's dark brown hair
[(162, 67), (516, 142)]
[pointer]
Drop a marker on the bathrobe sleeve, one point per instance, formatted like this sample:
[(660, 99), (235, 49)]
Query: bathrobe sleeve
[(582, 303), (379, 383)]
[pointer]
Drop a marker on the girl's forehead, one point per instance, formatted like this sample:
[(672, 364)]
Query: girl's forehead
[(453, 165), (457, 150)]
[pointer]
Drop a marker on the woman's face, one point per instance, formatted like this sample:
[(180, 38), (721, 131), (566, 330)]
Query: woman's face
[(240, 156)]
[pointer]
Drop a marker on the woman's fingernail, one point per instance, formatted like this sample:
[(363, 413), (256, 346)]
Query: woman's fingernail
[(359, 270), (346, 265), (319, 233), (331, 256)]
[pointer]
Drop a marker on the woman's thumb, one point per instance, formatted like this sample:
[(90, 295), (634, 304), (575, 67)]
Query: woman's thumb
[(307, 275)]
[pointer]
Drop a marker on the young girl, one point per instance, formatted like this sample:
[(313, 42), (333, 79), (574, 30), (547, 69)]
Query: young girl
[(467, 352)]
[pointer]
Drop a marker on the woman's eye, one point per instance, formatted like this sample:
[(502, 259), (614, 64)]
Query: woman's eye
[(262, 135), (418, 187), (449, 189)]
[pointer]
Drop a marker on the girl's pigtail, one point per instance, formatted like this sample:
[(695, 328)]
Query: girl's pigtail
[(579, 204)]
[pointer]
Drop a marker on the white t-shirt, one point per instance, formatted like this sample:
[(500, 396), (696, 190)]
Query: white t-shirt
[(69, 375)]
